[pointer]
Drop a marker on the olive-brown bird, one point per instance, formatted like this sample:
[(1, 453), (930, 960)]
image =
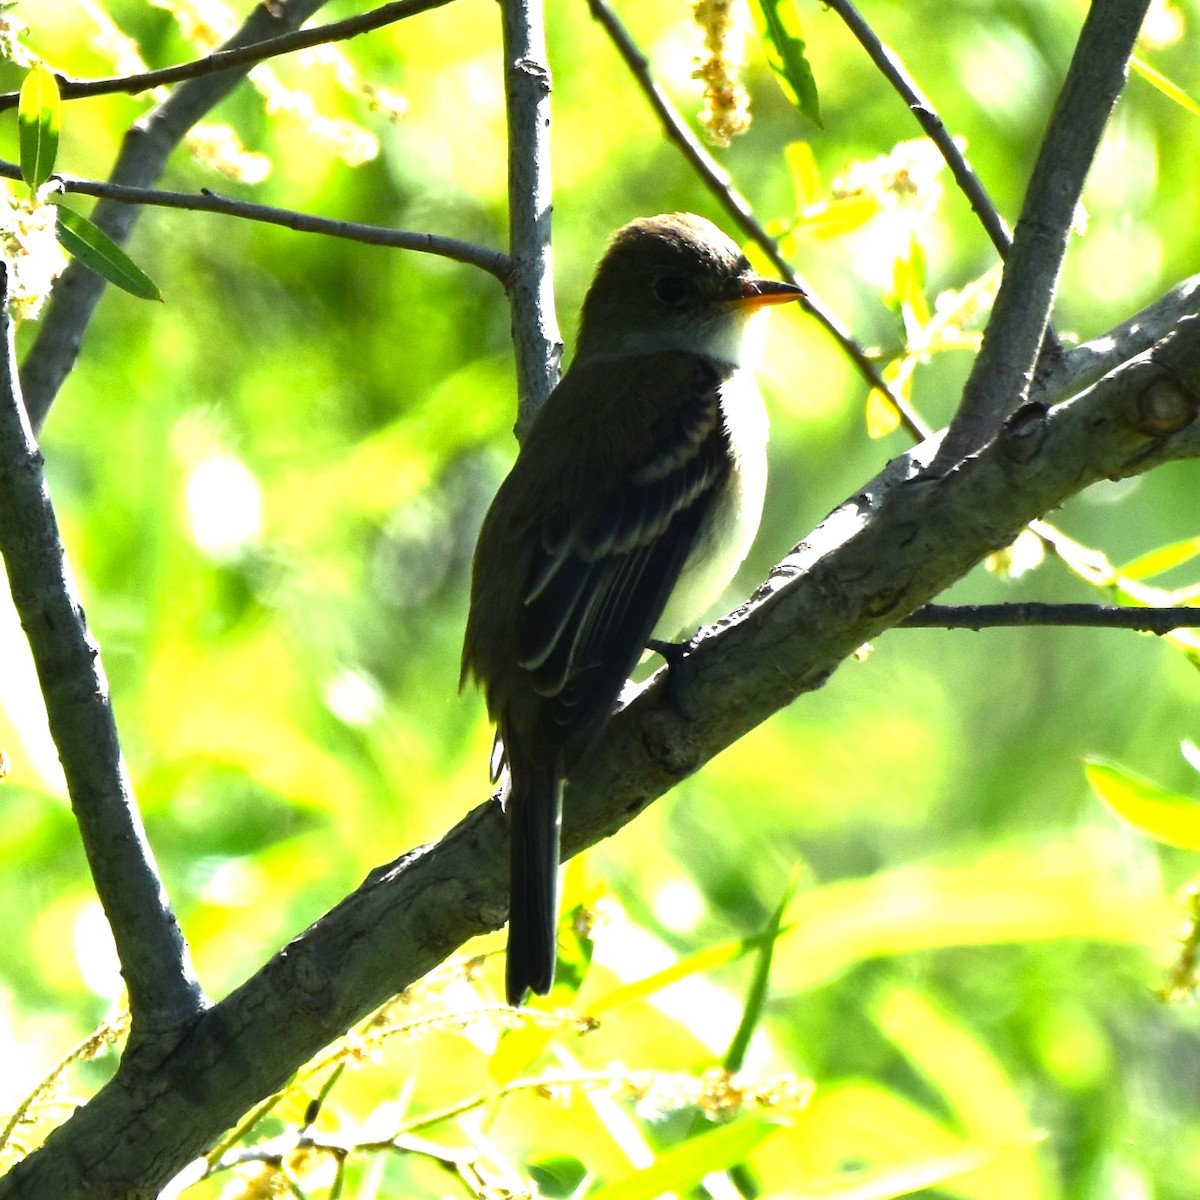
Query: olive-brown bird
[(633, 500)]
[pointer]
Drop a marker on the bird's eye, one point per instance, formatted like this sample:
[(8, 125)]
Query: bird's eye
[(670, 289)]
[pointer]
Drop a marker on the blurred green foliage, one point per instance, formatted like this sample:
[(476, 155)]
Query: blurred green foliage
[(270, 487)]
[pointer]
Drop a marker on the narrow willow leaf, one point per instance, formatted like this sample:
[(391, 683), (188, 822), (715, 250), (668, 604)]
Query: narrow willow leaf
[(1165, 816), (780, 29), (803, 171), (756, 998), (1156, 79), (707, 959), (681, 1168), (39, 118), (95, 249), (1161, 559)]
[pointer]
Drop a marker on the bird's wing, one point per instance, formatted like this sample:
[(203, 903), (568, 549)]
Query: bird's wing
[(603, 570)]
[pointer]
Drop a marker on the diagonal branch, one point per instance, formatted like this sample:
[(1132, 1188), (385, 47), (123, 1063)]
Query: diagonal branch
[(1000, 379), (890, 548), (163, 992), (236, 56), (922, 108)]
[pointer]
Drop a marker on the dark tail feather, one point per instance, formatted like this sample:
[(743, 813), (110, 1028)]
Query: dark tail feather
[(534, 804)]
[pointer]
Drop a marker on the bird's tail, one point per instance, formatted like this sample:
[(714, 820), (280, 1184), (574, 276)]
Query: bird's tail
[(534, 807)]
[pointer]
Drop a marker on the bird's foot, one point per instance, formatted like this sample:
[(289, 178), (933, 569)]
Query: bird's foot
[(675, 654)]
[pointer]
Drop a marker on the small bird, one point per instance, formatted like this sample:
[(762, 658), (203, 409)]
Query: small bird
[(632, 503)]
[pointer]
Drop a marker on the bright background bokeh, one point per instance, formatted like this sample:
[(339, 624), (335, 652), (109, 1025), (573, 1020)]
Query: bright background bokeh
[(270, 485)]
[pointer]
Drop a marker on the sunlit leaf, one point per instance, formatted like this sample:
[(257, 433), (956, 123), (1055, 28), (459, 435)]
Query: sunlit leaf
[(1165, 816), (707, 959), (1156, 79), (95, 249), (683, 1167), (836, 217), (1012, 895), (908, 290), (779, 25), (802, 170), (39, 119), (1162, 559), (882, 416)]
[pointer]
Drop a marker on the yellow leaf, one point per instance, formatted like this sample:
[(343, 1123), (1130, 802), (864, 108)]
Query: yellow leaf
[(1165, 816)]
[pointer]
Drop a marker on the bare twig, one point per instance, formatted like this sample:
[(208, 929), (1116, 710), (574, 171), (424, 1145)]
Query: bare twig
[(537, 342), (1091, 616), (240, 56), (921, 107), (143, 156), (1000, 379), (494, 262), (163, 991), (721, 186)]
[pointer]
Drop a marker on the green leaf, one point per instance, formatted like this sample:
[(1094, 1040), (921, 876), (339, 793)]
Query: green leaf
[(757, 996), (1165, 816), (683, 1167), (780, 29), (95, 249), (39, 118), (1160, 560), (1156, 79)]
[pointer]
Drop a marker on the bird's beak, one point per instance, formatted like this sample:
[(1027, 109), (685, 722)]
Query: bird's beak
[(757, 292)]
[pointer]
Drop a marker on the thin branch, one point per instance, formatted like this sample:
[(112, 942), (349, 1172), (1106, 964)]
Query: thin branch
[(1000, 379), (240, 56), (163, 991), (1091, 616), (494, 262), (143, 157), (921, 107), (721, 186), (537, 342)]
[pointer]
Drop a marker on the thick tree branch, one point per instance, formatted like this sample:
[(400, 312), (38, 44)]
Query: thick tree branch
[(738, 207), (142, 159), (494, 262), (163, 992), (537, 342), (888, 550), (1000, 379), (236, 56)]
